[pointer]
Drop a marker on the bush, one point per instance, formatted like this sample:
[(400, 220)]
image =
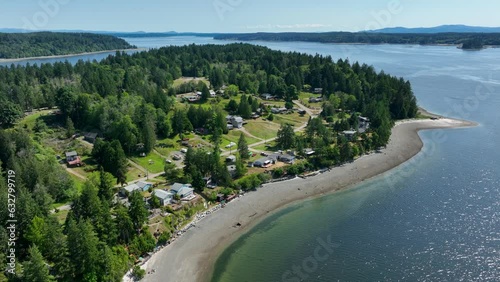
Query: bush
[(278, 172), (329, 119), (249, 182), (264, 177), (138, 273), (164, 237)]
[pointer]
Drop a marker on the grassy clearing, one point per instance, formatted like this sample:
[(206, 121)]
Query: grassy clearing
[(234, 136), (29, 121), (153, 162), (182, 80), (133, 173), (269, 147), (61, 216), (262, 129), (294, 119)]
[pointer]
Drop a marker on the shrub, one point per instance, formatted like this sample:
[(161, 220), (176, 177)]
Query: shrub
[(138, 273)]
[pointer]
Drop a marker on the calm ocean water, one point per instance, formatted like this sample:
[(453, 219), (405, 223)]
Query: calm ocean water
[(436, 218)]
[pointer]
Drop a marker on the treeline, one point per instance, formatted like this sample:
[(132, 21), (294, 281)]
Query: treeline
[(98, 241), (129, 97), (370, 38), (23, 45)]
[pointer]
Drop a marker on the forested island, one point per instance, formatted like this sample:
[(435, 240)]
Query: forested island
[(143, 107), (38, 44), (469, 40)]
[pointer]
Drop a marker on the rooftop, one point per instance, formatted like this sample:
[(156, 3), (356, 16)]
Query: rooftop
[(162, 194), (71, 154)]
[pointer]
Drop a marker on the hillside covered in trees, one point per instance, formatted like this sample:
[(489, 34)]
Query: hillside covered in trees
[(479, 39), (131, 101), (37, 44)]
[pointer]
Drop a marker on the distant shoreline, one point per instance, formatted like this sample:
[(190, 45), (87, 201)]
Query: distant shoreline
[(68, 55), (192, 257)]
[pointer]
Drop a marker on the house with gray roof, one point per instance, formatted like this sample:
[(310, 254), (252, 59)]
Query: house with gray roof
[(264, 162), (183, 190), (165, 197)]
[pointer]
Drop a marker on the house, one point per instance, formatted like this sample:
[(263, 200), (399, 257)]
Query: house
[(286, 158), (278, 110), (264, 162), (231, 159), (144, 186), (71, 156), (183, 190), (229, 126), (267, 96), (192, 99), (140, 186), (364, 124), (237, 122), (73, 159), (213, 94), (127, 190), (349, 134), (309, 152), (318, 90), (363, 119), (90, 137), (315, 100), (165, 197)]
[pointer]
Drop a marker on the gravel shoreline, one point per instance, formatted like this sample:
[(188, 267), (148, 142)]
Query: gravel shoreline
[(192, 256)]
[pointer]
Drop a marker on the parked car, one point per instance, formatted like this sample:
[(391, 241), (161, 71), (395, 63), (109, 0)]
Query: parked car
[(264, 154), (184, 150), (176, 157)]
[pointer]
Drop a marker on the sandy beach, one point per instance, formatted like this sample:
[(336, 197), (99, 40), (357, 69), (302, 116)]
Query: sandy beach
[(192, 256), (67, 56)]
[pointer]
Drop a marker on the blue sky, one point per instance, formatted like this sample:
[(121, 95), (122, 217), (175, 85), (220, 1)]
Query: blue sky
[(243, 15)]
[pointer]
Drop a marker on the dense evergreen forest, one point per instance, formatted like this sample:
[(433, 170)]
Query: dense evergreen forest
[(23, 45), (478, 39), (129, 99)]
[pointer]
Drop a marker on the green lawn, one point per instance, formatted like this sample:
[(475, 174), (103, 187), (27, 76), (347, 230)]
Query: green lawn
[(30, 120), (262, 129), (61, 216), (182, 80), (153, 162), (133, 173), (264, 147), (294, 119), (234, 136)]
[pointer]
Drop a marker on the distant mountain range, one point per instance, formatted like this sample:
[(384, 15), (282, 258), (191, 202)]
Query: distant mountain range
[(393, 30), (439, 29), (115, 33)]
